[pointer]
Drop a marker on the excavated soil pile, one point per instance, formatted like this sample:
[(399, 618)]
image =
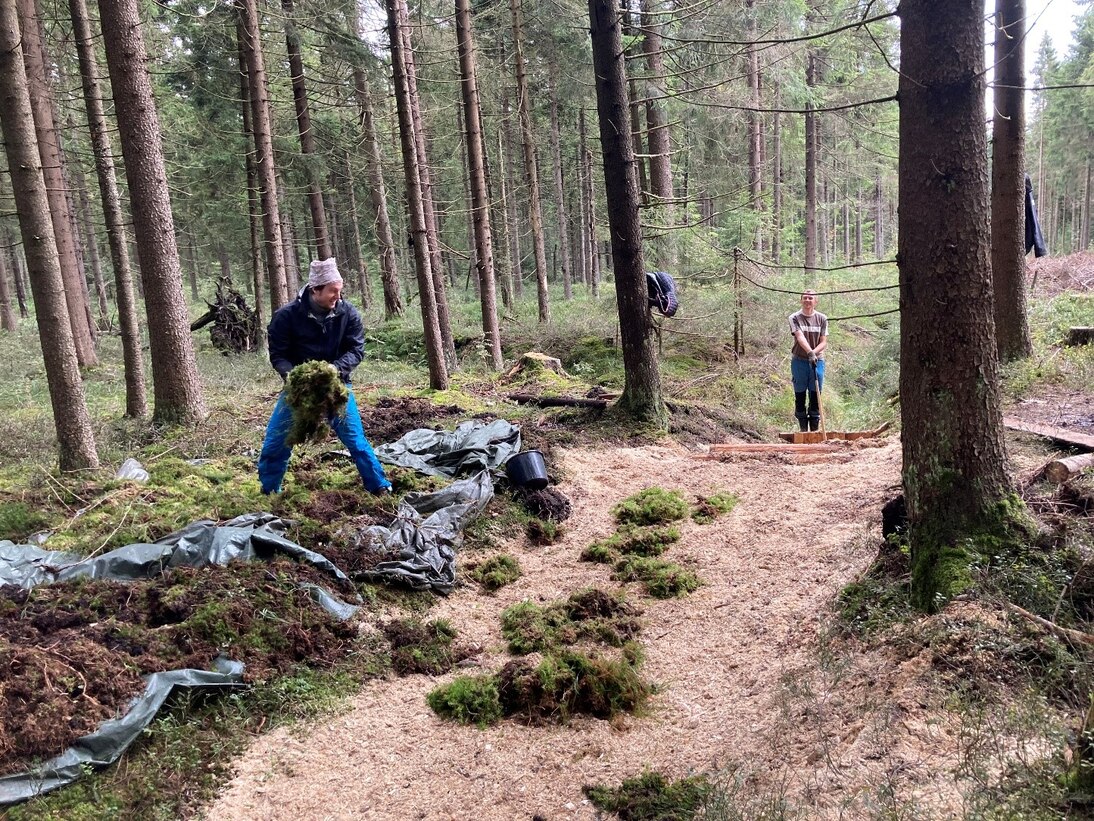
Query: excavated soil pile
[(390, 418)]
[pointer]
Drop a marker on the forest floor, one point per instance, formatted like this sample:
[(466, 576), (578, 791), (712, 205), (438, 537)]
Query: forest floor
[(795, 677), (753, 680)]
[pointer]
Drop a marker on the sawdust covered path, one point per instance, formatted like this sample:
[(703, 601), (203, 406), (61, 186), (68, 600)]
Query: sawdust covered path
[(770, 570)]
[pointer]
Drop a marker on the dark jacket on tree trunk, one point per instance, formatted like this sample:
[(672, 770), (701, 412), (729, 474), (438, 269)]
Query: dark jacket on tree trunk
[(299, 333), (1034, 239)]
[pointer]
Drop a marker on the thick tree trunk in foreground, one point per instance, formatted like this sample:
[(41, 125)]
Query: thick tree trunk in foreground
[(642, 390), (480, 199), (75, 438), (176, 385), (38, 66), (251, 45), (1008, 185), (531, 167), (434, 351), (955, 483)]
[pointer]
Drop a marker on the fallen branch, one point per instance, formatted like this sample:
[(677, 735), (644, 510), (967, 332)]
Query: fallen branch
[(557, 401), (1075, 635)]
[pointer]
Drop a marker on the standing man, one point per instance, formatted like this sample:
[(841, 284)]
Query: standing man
[(318, 325), (809, 327)]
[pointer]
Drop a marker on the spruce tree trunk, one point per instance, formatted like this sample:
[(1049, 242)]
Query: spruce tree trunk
[(18, 274), (641, 397), (810, 172), (590, 201), (531, 166), (1008, 184), (75, 438), (7, 312), (660, 144), (308, 145), (755, 132), (389, 269), (480, 199), (425, 179), (37, 67), (955, 483), (176, 385), (509, 189), (500, 206), (253, 216), (434, 350), (92, 245), (250, 45), (879, 219), (776, 183), (561, 214)]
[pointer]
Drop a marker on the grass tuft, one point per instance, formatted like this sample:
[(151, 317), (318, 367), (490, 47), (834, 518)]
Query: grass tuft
[(468, 700), (651, 798)]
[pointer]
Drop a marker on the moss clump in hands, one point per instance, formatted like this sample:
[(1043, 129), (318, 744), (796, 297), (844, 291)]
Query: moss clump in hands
[(315, 393)]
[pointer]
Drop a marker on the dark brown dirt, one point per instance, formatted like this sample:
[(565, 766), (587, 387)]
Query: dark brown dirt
[(72, 655), (390, 418), (424, 647), (548, 503)]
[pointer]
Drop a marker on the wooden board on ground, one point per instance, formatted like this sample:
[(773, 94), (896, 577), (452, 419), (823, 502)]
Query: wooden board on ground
[(1067, 437), (724, 449), (815, 436)]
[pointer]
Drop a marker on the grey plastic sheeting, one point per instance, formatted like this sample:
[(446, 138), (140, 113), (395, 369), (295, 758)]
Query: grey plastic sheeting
[(427, 533), (106, 744), (247, 537), (473, 446)]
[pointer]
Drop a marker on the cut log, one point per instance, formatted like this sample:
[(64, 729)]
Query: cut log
[(557, 401), (1067, 437), (1080, 336), (1060, 470)]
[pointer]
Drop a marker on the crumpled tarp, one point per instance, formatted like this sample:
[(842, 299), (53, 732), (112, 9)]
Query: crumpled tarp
[(247, 537), (427, 532), (473, 446), (105, 745)]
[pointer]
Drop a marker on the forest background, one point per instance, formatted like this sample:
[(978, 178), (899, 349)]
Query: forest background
[(765, 138)]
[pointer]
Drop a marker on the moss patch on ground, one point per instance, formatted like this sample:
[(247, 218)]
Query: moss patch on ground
[(496, 572), (427, 647), (650, 797), (652, 506), (587, 615), (660, 578)]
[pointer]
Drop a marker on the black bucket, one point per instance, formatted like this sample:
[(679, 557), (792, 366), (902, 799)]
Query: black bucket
[(527, 469)]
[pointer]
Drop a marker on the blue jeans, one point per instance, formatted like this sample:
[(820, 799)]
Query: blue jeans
[(274, 460), (801, 372)]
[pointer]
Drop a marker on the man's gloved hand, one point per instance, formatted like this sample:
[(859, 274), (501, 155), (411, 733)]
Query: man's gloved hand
[(813, 357)]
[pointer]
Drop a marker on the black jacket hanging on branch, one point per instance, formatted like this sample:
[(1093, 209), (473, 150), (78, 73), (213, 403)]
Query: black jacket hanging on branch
[(1034, 239), (662, 292)]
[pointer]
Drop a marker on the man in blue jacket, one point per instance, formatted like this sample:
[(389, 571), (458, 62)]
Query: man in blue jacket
[(318, 325)]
